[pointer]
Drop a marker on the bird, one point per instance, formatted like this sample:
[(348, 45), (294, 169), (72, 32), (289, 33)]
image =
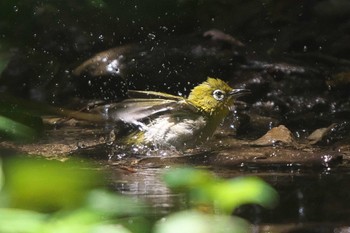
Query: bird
[(161, 120)]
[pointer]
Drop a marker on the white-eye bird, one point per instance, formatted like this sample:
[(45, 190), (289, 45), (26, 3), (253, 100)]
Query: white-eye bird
[(164, 121)]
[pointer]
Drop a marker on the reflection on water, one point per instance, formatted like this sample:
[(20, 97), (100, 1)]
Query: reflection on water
[(306, 196), (147, 185)]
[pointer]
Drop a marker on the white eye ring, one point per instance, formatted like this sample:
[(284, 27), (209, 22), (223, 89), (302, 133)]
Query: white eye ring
[(219, 95)]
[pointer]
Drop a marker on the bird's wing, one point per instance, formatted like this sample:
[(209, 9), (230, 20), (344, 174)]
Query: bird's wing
[(139, 111), (152, 95)]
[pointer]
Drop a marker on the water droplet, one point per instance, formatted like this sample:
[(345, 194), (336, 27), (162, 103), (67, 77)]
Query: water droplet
[(151, 36), (15, 9), (164, 28), (113, 67), (305, 48)]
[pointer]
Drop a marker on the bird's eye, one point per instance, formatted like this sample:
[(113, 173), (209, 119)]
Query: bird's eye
[(219, 95)]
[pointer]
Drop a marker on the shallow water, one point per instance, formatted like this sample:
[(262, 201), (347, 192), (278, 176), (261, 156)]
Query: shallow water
[(312, 182), (308, 198)]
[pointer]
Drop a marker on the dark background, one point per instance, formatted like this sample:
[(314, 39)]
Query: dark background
[(295, 57)]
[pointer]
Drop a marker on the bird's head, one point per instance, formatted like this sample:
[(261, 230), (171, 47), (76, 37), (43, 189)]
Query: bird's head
[(214, 96)]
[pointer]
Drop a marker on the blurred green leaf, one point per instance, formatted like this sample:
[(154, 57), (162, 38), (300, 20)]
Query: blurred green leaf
[(185, 178), (197, 222), (69, 191), (17, 120), (129, 212), (230, 194), (47, 185), (16, 220), (112, 228), (204, 189), (80, 220), (16, 130), (1, 178), (114, 205)]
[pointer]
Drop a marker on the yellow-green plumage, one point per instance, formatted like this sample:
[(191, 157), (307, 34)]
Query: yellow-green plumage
[(164, 120), (202, 98)]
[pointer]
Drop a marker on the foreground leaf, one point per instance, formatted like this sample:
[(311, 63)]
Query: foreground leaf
[(206, 190), (197, 222)]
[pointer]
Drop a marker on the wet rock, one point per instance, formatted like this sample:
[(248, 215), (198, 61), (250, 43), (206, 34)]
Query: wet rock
[(318, 134), (280, 158), (248, 157), (109, 62), (344, 148), (330, 135), (277, 135)]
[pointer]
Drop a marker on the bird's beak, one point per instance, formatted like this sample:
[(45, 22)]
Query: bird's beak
[(239, 92)]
